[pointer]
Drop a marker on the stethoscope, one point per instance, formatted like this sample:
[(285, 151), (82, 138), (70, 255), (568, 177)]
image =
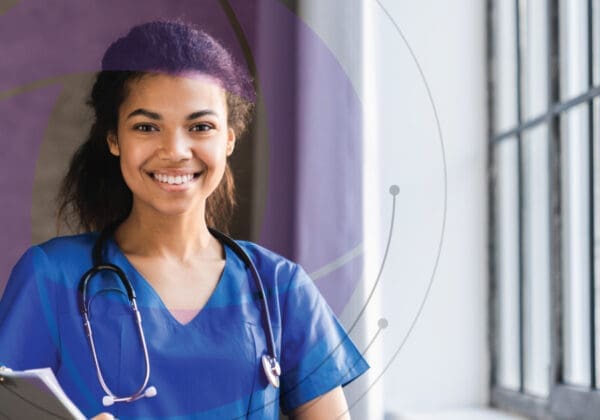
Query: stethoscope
[(269, 361)]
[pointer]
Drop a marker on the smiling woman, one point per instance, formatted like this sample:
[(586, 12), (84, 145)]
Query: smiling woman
[(230, 328), (173, 129)]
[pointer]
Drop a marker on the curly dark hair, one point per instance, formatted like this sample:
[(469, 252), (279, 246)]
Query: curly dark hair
[(93, 194)]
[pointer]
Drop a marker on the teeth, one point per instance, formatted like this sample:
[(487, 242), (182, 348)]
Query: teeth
[(174, 180)]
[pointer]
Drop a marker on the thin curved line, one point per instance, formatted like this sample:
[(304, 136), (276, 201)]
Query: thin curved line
[(437, 260), (241, 37), (371, 342), (391, 231), (260, 113), (41, 83), (31, 86), (385, 255), (363, 355), (230, 13), (347, 335)]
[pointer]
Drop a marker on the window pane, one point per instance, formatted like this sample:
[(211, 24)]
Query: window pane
[(596, 40), (534, 52), (597, 231), (507, 259), (505, 86), (573, 30), (537, 280), (596, 81), (576, 242)]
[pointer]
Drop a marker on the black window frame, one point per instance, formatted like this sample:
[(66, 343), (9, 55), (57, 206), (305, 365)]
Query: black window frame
[(564, 401)]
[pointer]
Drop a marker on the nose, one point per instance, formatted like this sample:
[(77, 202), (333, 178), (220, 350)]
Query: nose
[(175, 146)]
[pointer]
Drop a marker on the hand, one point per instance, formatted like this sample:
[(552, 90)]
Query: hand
[(103, 416)]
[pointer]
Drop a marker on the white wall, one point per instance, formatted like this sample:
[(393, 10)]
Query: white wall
[(443, 363)]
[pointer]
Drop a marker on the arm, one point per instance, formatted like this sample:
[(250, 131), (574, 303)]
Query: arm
[(329, 406)]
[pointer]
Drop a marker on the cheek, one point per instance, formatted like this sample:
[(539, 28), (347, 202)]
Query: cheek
[(212, 153), (132, 160)]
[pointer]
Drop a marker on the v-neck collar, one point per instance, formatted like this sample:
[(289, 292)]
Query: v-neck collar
[(138, 281)]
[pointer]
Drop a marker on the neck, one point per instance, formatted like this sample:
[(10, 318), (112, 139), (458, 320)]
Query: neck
[(182, 237)]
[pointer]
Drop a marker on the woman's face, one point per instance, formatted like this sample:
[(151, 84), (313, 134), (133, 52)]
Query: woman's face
[(173, 141)]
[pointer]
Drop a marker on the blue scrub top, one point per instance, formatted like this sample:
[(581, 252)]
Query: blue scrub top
[(207, 368)]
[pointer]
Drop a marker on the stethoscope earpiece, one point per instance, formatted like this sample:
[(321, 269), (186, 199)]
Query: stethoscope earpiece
[(109, 400), (150, 392)]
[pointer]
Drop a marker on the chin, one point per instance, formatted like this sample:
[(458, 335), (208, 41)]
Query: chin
[(169, 209), (175, 211)]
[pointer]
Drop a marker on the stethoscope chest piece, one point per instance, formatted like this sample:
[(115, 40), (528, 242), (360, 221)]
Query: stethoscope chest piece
[(272, 369)]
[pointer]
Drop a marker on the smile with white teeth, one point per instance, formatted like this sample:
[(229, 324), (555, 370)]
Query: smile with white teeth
[(174, 180)]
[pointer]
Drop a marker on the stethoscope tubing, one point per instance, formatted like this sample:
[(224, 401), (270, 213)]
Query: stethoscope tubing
[(88, 328), (257, 281), (269, 361)]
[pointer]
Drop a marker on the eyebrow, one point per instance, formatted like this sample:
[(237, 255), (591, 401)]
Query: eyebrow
[(157, 116)]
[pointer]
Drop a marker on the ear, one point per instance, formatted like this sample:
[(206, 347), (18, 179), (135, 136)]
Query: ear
[(230, 141), (113, 144)]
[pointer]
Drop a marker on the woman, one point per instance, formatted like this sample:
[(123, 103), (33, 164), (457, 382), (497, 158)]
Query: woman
[(153, 177)]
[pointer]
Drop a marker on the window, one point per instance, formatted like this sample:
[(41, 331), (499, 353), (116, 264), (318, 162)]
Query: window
[(544, 80)]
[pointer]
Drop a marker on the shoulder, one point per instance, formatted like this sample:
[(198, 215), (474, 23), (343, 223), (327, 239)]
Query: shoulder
[(270, 264), (57, 261), (261, 254), (60, 253), (68, 247)]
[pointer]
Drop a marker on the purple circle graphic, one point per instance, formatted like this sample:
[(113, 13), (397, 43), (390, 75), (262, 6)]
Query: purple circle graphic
[(311, 208)]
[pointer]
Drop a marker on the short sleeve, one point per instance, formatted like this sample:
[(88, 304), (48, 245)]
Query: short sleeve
[(317, 354), (28, 333)]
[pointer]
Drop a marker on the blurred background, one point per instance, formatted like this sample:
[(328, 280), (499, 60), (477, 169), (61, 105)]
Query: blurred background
[(434, 166)]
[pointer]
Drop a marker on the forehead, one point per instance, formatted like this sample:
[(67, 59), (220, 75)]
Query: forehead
[(175, 93)]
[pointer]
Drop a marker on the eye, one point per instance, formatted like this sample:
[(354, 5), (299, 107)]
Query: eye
[(144, 128), (201, 127)]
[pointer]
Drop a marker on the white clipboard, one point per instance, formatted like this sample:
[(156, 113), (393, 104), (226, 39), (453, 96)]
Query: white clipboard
[(34, 394)]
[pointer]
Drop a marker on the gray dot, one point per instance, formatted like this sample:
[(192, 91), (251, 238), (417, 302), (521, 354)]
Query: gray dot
[(394, 190), (382, 323)]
